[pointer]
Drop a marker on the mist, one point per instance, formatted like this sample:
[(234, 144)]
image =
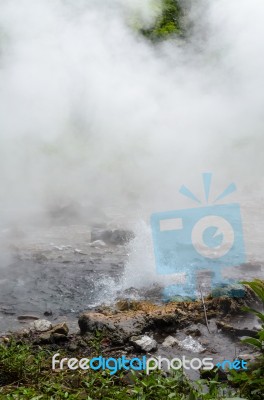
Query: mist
[(94, 114)]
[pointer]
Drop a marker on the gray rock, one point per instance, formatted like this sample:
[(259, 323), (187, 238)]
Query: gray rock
[(170, 341), (146, 343), (121, 328), (41, 325)]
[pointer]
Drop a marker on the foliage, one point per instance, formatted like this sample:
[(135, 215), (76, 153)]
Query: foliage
[(167, 23), (26, 374), (251, 382)]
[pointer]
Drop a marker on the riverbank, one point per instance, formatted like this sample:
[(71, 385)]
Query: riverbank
[(131, 330)]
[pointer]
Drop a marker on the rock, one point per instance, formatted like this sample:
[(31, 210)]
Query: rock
[(116, 236), (119, 327), (45, 338), (146, 343), (191, 344), (195, 332), (5, 340), (237, 331), (170, 341), (98, 243), (58, 337), (42, 325), (61, 329), (234, 290), (27, 318), (48, 313)]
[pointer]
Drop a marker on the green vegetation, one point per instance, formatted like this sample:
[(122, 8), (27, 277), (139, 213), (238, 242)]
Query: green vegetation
[(26, 374), (168, 23), (251, 382)]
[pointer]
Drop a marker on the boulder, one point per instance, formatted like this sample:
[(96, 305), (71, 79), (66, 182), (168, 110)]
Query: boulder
[(61, 329), (119, 327), (170, 341), (145, 343), (41, 325)]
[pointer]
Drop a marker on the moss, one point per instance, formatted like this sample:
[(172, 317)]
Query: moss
[(168, 23)]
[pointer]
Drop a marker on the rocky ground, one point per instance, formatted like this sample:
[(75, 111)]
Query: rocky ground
[(132, 328)]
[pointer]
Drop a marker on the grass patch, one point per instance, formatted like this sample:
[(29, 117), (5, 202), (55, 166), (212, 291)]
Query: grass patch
[(26, 374)]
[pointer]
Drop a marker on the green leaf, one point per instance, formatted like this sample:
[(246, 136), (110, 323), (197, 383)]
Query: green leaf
[(253, 342)]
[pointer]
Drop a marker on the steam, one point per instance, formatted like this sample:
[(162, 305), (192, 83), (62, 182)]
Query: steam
[(93, 113)]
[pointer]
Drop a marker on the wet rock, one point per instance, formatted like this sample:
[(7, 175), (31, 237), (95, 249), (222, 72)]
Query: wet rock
[(191, 344), (61, 329), (58, 337), (195, 332), (145, 343), (27, 318), (170, 341), (235, 331), (48, 313), (115, 237), (41, 325)]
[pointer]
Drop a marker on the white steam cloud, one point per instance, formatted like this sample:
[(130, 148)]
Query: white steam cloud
[(93, 113)]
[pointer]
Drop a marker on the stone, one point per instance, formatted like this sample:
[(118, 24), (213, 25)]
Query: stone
[(48, 313), (192, 345), (61, 329), (58, 337), (41, 325), (195, 332), (27, 318), (45, 338), (146, 343), (120, 327), (170, 341)]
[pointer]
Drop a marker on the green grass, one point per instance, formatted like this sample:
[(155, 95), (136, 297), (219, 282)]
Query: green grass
[(26, 374)]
